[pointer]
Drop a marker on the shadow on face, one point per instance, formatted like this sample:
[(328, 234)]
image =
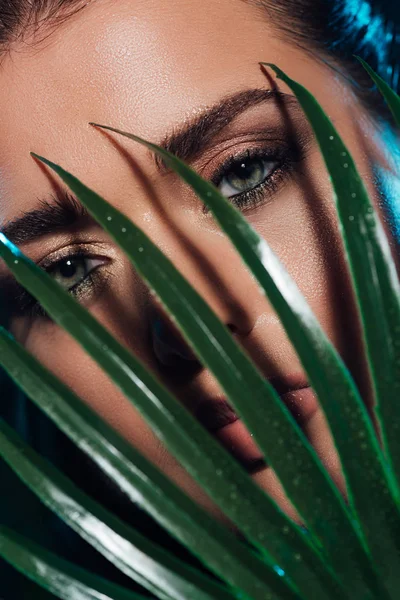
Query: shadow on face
[(169, 72)]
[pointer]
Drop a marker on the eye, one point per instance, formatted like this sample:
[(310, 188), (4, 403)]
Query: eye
[(78, 273), (246, 173), (71, 271)]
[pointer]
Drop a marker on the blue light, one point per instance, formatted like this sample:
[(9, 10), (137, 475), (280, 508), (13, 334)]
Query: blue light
[(388, 180), (359, 16), (10, 245), (280, 571)]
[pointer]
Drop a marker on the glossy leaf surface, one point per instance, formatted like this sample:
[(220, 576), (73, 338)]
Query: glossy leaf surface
[(388, 409), (372, 496), (245, 503), (140, 559), (60, 577), (330, 378), (378, 294), (390, 95), (139, 479)]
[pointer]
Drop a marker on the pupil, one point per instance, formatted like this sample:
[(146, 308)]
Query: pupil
[(67, 269), (246, 175), (247, 168)]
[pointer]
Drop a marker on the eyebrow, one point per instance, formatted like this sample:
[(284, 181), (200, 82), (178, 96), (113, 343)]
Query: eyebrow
[(188, 141), (63, 212)]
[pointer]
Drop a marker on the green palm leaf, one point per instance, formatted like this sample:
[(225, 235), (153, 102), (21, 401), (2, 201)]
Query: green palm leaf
[(356, 544), (236, 374), (139, 479), (390, 95), (137, 557), (55, 574), (377, 290), (387, 409)]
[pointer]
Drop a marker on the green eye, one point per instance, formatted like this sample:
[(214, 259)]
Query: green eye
[(245, 174), (70, 272), (79, 274)]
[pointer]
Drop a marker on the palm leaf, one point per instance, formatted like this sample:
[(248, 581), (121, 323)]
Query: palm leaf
[(377, 290), (354, 544), (55, 574), (134, 555), (237, 374), (390, 95), (388, 410), (139, 479)]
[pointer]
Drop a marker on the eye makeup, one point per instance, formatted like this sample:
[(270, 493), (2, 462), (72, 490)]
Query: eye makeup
[(259, 170), (77, 269)]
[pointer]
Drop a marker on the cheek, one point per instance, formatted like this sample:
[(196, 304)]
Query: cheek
[(301, 226), (70, 364), (120, 309)]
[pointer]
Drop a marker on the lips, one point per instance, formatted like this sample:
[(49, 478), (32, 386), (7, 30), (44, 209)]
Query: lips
[(221, 420)]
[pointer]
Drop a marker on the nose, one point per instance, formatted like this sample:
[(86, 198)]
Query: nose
[(169, 347), (218, 275)]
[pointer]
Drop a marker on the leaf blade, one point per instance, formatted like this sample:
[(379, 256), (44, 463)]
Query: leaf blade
[(390, 95), (232, 364), (377, 291), (330, 532), (144, 562), (57, 575), (139, 479)]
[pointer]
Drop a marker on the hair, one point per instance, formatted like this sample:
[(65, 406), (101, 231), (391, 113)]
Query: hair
[(20, 19), (337, 30)]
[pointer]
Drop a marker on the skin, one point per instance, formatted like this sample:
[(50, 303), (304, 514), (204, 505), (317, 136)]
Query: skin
[(143, 69)]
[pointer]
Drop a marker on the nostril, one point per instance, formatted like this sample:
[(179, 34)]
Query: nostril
[(232, 328), (169, 346)]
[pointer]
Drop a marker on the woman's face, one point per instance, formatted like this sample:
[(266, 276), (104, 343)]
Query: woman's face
[(157, 68)]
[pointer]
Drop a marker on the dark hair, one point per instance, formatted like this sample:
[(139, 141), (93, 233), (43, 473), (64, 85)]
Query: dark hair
[(336, 30), (20, 18)]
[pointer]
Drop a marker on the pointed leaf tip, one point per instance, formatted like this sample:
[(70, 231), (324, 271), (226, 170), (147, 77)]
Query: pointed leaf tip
[(93, 124), (390, 95), (272, 65), (42, 159)]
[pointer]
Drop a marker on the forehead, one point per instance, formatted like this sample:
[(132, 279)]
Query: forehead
[(136, 57), (143, 66)]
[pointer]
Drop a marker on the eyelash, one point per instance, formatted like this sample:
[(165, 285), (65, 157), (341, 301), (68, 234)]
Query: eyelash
[(27, 306), (286, 159)]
